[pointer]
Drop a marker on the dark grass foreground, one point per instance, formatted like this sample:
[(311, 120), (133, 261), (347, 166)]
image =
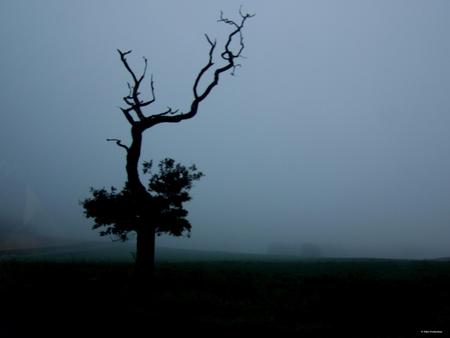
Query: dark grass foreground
[(362, 298)]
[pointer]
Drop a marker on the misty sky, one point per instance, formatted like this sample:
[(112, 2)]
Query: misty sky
[(334, 131)]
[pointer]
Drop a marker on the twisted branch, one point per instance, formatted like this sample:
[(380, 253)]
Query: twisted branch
[(172, 116), (132, 100), (118, 142)]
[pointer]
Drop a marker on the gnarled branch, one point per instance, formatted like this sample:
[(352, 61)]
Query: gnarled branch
[(228, 54), (172, 116), (132, 100), (127, 114), (118, 142), (206, 67)]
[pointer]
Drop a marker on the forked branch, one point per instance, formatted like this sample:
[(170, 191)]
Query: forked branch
[(132, 99), (228, 54)]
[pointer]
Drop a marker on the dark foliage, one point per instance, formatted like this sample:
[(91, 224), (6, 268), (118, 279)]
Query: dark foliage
[(119, 213)]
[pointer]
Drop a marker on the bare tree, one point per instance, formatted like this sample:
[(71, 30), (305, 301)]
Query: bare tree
[(145, 219)]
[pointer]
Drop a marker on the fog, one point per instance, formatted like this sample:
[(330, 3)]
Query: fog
[(334, 133)]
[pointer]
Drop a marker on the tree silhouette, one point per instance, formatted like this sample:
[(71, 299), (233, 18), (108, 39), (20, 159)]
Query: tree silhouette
[(158, 208), (119, 213)]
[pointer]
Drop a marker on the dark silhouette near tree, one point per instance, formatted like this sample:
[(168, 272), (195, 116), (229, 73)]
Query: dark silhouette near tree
[(161, 212), (158, 208)]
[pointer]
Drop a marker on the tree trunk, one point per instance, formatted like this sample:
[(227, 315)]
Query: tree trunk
[(145, 253), (133, 155), (145, 246)]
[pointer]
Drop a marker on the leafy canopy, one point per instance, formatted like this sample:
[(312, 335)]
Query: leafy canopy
[(119, 212)]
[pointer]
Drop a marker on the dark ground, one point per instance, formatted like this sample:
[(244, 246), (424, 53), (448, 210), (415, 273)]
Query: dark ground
[(328, 298)]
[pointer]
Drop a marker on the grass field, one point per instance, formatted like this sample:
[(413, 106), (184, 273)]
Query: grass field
[(230, 298)]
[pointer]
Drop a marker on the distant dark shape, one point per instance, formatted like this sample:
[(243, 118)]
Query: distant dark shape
[(304, 250), (158, 207), (310, 250)]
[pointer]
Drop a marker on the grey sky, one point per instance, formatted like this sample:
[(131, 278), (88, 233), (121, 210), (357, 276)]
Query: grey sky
[(335, 130)]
